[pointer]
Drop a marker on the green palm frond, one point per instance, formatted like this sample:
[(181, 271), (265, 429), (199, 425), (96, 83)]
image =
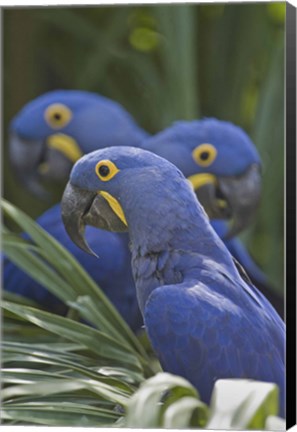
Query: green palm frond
[(46, 260), (169, 401)]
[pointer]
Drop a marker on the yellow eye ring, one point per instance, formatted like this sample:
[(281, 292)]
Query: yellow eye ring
[(204, 154), (57, 115), (106, 170)]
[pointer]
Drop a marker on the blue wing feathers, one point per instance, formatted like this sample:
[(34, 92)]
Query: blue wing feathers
[(241, 254), (219, 342)]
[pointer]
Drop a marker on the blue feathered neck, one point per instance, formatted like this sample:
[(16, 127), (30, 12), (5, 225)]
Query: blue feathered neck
[(171, 238)]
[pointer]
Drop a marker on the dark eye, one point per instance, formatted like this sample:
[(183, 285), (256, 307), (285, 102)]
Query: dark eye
[(57, 115), (104, 170)]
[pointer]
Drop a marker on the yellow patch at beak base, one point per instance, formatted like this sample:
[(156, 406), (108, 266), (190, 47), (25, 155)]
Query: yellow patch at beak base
[(198, 180), (66, 145), (115, 205)]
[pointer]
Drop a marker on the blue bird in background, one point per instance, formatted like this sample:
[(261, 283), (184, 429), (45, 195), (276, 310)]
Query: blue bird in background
[(224, 167), (239, 252), (54, 130), (203, 316), (47, 137), (221, 162)]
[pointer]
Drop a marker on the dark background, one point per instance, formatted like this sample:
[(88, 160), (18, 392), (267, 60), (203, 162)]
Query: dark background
[(163, 63)]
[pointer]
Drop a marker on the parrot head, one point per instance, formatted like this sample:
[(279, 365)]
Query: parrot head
[(220, 161), (119, 188), (54, 130)]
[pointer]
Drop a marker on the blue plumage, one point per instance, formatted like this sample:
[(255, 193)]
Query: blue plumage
[(235, 150), (221, 162), (54, 130), (235, 154), (97, 122), (204, 319), (241, 254)]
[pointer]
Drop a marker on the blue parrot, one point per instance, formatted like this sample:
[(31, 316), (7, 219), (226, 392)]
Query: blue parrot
[(221, 162), (47, 137), (204, 318), (54, 130), (224, 167)]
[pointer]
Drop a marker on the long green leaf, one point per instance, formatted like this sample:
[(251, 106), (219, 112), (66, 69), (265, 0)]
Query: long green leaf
[(180, 413), (96, 341), (178, 26), (84, 397), (145, 407), (17, 298), (59, 414), (31, 376), (64, 360), (53, 386), (39, 270)]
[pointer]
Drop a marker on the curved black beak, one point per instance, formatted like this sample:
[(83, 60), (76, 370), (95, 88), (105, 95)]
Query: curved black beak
[(81, 207), (236, 198), (24, 157), (243, 194), (213, 201), (75, 205), (37, 161)]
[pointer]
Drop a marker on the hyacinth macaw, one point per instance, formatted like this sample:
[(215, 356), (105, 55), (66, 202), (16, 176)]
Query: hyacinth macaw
[(46, 138), (204, 318), (224, 167), (221, 162), (54, 130), (61, 144)]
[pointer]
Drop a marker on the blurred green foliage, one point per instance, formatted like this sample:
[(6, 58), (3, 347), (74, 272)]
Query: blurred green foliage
[(163, 63)]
